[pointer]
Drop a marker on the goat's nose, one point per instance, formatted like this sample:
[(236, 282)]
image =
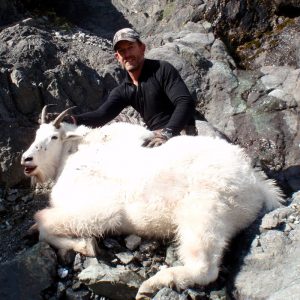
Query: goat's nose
[(26, 159)]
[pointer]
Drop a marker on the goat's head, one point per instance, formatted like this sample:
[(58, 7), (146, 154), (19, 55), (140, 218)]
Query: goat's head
[(41, 160)]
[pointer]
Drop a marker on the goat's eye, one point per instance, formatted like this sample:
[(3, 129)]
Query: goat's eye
[(54, 137)]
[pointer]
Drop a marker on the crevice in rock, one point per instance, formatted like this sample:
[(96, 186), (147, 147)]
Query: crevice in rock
[(101, 18), (288, 11)]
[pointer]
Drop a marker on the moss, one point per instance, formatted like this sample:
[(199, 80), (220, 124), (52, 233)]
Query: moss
[(270, 104), (287, 22), (254, 44), (274, 43), (56, 20), (159, 15), (262, 121), (169, 10)]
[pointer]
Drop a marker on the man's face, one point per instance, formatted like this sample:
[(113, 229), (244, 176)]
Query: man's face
[(130, 55)]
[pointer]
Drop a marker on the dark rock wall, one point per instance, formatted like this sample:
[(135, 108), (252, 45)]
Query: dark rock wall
[(253, 28), (241, 62)]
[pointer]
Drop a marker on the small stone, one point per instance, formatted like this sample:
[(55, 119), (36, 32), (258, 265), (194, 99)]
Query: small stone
[(65, 257), (143, 273), (77, 265), (255, 242), (8, 225), (167, 293), (61, 288), (2, 208), (115, 261), (133, 267), (111, 243), (194, 295), (252, 97), (27, 198), (12, 191), (149, 247), (77, 295), (12, 197), (171, 255), (76, 285), (90, 261), (132, 241), (292, 218), (62, 272), (147, 263), (288, 227), (116, 283), (125, 257), (218, 295)]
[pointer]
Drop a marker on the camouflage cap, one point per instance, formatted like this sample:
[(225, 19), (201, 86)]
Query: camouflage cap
[(125, 34)]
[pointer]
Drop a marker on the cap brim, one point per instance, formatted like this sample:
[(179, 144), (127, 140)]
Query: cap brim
[(125, 39)]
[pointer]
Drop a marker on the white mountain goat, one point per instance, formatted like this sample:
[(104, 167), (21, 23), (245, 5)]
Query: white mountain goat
[(200, 190)]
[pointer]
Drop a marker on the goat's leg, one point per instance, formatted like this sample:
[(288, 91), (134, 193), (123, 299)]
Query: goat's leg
[(201, 243), (66, 230), (85, 246)]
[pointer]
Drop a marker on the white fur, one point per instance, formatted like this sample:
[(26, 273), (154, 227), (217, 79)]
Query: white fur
[(200, 190)]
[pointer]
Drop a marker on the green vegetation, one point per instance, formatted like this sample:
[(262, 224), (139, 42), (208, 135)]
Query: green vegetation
[(58, 21), (285, 23), (169, 10)]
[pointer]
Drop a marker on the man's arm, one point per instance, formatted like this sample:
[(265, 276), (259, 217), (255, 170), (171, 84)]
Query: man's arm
[(105, 113), (184, 110), (179, 95)]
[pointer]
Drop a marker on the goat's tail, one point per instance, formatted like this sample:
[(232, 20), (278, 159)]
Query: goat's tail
[(273, 195)]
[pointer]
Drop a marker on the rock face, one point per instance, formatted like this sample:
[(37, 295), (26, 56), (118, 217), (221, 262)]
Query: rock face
[(271, 266), (262, 262), (28, 275), (241, 62), (46, 59), (259, 32)]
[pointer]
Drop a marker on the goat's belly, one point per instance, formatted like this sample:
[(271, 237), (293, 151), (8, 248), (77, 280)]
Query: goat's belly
[(149, 222)]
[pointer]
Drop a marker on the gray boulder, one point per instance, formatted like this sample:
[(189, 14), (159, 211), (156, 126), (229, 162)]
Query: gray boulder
[(115, 283), (270, 267), (26, 276)]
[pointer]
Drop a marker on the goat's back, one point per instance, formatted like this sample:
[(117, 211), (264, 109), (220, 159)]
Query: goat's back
[(152, 184)]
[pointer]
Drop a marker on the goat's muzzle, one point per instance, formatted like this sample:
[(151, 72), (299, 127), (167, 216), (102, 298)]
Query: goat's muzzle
[(29, 167)]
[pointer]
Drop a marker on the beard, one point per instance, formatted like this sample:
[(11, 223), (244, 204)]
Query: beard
[(133, 65), (131, 68)]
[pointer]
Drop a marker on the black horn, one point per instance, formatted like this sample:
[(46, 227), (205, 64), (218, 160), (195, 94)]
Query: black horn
[(59, 118)]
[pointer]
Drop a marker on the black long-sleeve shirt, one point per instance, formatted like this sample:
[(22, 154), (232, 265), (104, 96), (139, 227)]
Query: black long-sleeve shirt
[(161, 98)]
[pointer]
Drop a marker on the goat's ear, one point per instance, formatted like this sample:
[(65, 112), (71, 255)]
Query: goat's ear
[(72, 136)]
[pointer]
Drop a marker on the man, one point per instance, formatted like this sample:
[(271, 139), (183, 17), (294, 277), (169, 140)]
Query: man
[(154, 88)]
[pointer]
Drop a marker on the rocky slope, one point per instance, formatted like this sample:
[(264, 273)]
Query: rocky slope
[(241, 62)]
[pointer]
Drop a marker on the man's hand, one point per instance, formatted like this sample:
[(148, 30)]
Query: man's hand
[(159, 138)]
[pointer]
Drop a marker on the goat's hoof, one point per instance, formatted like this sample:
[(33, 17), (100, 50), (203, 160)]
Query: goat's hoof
[(143, 296), (145, 292), (32, 233), (33, 229), (91, 248), (65, 256)]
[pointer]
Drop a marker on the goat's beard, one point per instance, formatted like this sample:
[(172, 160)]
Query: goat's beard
[(37, 179), (43, 175), (37, 183)]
